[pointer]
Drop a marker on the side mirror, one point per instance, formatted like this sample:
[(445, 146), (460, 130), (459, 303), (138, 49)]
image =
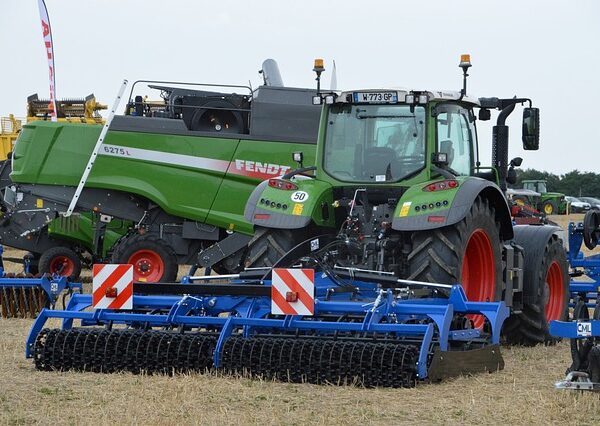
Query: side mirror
[(516, 162), (511, 175), (531, 129), (485, 114)]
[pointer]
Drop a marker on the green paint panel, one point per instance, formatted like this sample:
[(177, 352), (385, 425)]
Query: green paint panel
[(316, 195), (205, 179), (415, 198), (80, 229)]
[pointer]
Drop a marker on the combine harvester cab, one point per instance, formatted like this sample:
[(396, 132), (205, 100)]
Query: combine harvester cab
[(179, 170), (296, 325)]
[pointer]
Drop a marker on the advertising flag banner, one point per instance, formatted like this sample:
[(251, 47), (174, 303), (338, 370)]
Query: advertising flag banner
[(46, 31)]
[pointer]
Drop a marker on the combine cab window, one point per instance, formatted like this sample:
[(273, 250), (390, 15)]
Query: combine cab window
[(455, 138), (374, 143)]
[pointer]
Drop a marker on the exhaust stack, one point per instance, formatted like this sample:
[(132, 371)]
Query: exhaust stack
[(271, 74)]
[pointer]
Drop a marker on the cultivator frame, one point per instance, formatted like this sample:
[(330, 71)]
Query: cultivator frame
[(23, 295), (581, 265), (584, 372), (26, 297), (374, 335)]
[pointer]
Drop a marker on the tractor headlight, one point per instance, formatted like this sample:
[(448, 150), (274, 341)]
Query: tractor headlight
[(329, 99), (410, 99), (316, 100), (423, 99)]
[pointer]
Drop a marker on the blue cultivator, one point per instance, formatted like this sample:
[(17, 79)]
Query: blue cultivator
[(24, 296), (587, 232), (360, 332), (584, 372)]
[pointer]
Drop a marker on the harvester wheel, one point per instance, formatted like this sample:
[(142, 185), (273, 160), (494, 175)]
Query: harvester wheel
[(546, 293), (62, 261), (152, 258), (468, 252), (268, 246)]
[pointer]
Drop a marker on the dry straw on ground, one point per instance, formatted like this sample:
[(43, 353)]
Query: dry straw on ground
[(521, 394)]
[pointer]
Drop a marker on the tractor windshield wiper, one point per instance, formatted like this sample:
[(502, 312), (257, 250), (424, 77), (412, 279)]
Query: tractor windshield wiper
[(363, 116)]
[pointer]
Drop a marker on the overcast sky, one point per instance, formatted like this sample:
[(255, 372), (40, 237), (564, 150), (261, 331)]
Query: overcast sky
[(545, 50)]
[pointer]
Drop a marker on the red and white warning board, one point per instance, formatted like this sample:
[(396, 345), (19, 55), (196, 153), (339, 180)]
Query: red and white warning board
[(112, 286), (293, 292)]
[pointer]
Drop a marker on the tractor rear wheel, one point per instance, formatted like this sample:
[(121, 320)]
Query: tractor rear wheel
[(468, 252), (152, 258), (61, 261), (268, 246), (546, 293)]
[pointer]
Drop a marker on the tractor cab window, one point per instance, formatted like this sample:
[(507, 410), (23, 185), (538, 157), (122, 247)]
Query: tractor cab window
[(455, 137), (374, 143), (541, 187)]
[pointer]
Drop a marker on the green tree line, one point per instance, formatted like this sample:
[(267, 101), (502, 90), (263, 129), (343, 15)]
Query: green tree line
[(574, 183)]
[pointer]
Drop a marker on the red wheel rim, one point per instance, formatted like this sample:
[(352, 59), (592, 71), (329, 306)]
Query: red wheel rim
[(62, 265), (479, 272), (147, 266), (553, 292)]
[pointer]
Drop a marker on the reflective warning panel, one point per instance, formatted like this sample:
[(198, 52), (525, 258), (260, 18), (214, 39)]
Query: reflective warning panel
[(112, 286), (293, 292)]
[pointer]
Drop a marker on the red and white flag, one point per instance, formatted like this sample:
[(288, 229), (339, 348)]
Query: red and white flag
[(47, 32)]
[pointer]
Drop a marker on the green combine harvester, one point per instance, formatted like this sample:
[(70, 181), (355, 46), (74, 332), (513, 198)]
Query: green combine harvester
[(176, 173)]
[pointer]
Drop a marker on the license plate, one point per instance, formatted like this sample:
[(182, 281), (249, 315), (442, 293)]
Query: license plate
[(375, 97)]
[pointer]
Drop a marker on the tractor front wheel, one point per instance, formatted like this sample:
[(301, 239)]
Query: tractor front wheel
[(468, 252), (152, 258), (60, 261)]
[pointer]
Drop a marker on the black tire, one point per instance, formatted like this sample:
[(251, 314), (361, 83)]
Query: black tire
[(152, 258), (61, 259), (268, 246), (550, 207), (438, 255), (546, 279)]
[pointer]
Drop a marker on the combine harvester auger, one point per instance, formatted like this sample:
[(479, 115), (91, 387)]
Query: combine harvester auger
[(584, 332), (345, 331), (24, 296)]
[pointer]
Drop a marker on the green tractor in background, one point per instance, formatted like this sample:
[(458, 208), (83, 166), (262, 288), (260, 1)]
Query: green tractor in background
[(398, 193), (550, 202)]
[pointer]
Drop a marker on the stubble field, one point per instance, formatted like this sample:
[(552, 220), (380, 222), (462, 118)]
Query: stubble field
[(522, 393)]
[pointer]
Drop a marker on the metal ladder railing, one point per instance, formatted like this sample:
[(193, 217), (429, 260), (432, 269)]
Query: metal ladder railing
[(92, 160)]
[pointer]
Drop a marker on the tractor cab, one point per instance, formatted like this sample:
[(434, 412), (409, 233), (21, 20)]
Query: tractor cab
[(390, 136)]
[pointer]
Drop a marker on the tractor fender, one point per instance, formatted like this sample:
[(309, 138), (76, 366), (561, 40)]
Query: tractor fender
[(533, 240), (468, 191), (275, 208)]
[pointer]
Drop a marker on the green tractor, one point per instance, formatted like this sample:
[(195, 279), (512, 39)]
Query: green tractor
[(550, 202), (398, 193)]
